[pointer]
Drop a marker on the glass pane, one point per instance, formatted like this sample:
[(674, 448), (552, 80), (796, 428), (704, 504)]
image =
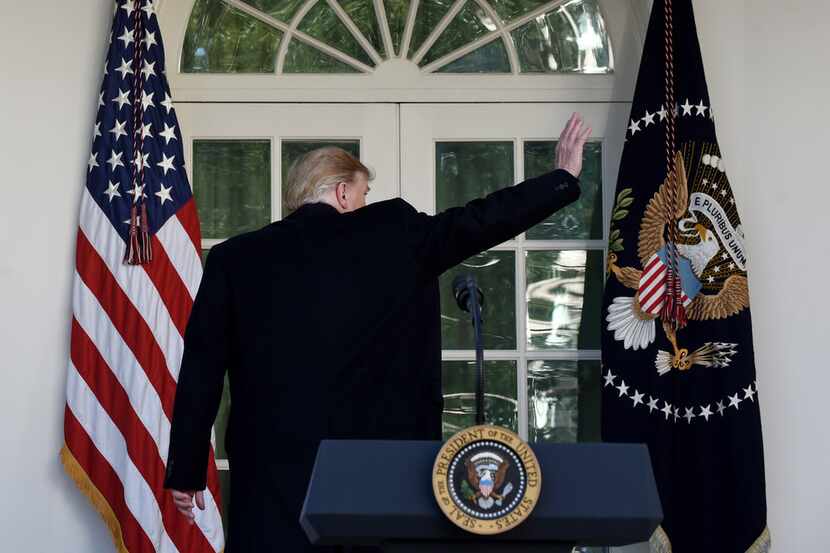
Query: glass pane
[(564, 289), (490, 58), (322, 23), (465, 171), (225, 491), (571, 38), (510, 9), (583, 218), (500, 395), (495, 273), (221, 39), (221, 424), (302, 58), (362, 12), (283, 10), (470, 23), (429, 14), (396, 13), (293, 149), (563, 401), (232, 185)]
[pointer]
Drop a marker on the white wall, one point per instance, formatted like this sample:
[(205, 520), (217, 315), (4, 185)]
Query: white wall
[(51, 63), (767, 78), (766, 63)]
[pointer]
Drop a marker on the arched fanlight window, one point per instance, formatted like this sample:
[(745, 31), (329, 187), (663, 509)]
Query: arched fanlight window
[(356, 36)]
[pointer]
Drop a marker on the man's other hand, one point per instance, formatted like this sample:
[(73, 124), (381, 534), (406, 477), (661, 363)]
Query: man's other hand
[(571, 142), (184, 503)]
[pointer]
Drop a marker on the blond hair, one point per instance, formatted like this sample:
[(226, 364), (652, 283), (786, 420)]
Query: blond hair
[(315, 173)]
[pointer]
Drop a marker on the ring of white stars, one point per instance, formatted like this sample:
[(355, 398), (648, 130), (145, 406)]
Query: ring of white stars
[(687, 109), (675, 413)]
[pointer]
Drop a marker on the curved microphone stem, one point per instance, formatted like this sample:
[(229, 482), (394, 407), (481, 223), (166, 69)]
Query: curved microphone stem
[(475, 310)]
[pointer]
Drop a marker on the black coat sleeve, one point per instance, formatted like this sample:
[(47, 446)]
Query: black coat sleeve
[(448, 238), (199, 389)]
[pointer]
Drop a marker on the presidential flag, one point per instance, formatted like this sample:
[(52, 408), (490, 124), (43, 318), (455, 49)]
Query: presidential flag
[(677, 356), (137, 269)]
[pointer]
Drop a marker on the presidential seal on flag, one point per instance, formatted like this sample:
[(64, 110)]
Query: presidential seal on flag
[(709, 257)]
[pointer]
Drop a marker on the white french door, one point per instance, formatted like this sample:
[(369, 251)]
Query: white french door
[(544, 287)]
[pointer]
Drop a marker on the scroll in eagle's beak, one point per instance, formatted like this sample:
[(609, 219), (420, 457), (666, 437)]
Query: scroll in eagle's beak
[(701, 231)]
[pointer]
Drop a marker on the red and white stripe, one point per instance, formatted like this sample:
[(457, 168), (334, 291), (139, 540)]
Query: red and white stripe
[(127, 341), (652, 291)]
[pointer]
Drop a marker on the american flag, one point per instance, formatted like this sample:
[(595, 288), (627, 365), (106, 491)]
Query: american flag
[(129, 318)]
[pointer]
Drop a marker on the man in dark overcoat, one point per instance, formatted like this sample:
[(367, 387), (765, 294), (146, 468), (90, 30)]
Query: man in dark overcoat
[(328, 325)]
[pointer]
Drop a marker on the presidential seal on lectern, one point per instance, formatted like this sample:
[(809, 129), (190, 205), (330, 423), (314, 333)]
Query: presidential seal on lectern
[(486, 479)]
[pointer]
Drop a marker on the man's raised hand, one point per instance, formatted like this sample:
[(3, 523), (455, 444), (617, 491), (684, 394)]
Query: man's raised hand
[(571, 142)]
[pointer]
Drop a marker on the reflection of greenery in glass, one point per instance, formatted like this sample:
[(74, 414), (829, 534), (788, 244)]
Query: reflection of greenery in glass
[(569, 39), (466, 27), (232, 185), (362, 12), (429, 14), (495, 274), (396, 13), (563, 401), (510, 9), (322, 23), (293, 149), (459, 388), (490, 58), (564, 289), (469, 170), (583, 218), (302, 58), (225, 491), (221, 39), (283, 10)]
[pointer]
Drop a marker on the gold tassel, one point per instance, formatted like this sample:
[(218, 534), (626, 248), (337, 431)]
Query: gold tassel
[(659, 542), (762, 544), (74, 470)]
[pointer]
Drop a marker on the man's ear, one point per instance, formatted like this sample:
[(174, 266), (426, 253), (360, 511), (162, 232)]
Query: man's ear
[(340, 193)]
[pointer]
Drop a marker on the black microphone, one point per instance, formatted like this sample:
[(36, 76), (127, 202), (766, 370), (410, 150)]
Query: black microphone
[(461, 286)]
